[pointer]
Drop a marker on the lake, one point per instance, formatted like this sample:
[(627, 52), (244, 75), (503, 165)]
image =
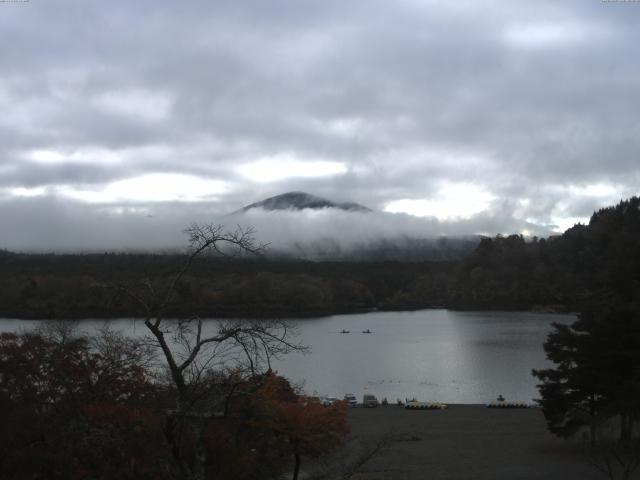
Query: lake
[(432, 355)]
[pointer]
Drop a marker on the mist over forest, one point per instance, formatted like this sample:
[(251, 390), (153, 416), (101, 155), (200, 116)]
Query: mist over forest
[(504, 272), (43, 225)]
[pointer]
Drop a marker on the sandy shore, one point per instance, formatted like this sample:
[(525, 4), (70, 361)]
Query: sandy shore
[(462, 442)]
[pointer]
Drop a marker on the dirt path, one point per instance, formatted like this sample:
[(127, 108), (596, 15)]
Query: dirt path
[(464, 442)]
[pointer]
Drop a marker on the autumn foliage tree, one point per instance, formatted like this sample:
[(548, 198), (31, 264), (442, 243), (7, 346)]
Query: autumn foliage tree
[(302, 426), (84, 408), (70, 412)]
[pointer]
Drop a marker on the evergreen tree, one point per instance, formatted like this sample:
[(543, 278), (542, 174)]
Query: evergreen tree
[(597, 372)]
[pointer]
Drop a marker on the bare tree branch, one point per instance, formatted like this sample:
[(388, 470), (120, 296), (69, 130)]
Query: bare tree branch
[(201, 397)]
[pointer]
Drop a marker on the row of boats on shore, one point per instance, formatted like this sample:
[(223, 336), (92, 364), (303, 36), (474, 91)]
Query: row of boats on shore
[(499, 403), (370, 400)]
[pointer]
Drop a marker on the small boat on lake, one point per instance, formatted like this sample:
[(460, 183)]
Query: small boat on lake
[(366, 331), (345, 331)]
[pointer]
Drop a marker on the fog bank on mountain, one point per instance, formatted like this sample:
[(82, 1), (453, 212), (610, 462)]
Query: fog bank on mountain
[(336, 231)]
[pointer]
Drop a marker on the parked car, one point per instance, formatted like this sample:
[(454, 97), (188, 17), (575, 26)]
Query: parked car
[(351, 398), (369, 401), (328, 401)]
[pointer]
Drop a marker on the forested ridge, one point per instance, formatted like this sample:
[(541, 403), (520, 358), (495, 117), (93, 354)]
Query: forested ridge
[(505, 272), (587, 262)]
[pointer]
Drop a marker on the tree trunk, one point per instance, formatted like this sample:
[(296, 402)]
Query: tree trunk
[(200, 454), (296, 468), (625, 433)]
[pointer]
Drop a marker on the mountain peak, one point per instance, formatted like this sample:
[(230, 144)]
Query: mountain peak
[(301, 200)]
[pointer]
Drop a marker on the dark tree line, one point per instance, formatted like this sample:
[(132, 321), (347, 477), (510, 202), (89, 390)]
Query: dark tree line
[(78, 286), (587, 262)]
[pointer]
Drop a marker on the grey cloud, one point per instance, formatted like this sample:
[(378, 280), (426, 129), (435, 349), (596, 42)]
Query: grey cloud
[(31, 174), (245, 80)]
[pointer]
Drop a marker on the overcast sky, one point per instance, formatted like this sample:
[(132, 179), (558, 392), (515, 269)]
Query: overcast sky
[(123, 122)]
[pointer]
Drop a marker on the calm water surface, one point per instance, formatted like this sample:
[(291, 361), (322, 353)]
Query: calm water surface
[(434, 355)]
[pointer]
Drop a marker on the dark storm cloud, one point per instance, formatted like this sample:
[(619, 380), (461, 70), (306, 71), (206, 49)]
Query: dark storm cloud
[(534, 103)]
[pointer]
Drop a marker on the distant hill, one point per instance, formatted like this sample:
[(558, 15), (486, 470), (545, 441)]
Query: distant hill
[(301, 201), (328, 245)]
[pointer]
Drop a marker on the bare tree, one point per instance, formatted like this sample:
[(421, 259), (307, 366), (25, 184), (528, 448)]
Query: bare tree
[(206, 367), (121, 351), (59, 332)]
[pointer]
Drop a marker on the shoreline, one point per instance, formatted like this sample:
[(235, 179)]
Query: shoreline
[(305, 314)]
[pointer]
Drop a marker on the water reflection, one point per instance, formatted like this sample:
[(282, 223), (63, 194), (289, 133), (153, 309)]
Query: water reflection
[(437, 355)]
